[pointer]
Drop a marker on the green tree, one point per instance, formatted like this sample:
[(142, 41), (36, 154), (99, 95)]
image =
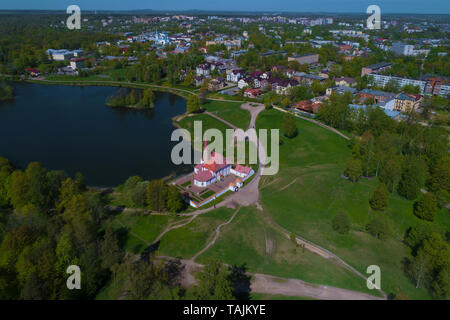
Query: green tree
[(341, 223), (412, 178), (379, 227), (192, 104), (289, 125), (440, 175), (214, 283), (353, 169), (157, 195), (148, 98), (111, 253), (174, 199), (426, 207), (380, 198)]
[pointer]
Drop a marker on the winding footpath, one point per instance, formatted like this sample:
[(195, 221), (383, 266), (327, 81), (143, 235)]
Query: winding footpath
[(263, 283)]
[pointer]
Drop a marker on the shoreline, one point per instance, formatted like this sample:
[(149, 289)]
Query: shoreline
[(99, 83)]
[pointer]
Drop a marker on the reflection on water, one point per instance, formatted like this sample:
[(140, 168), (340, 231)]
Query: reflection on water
[(70, 128)]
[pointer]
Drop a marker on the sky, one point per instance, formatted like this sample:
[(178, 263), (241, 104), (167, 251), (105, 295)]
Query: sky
[(357, 6)]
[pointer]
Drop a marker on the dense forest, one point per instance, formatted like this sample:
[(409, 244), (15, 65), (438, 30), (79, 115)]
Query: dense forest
[(49, 221)]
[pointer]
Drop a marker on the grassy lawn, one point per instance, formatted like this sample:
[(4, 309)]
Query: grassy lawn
[(311, 165), (249, 240), (133, 229), (229, 111), (186, 241), (208, 122)]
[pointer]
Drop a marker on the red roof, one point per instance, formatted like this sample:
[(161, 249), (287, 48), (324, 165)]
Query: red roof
[(242, 169), (203, 176), (78, 59)]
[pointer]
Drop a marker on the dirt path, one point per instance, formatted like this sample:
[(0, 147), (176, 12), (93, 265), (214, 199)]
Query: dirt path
[(317, 249), (216, 236), (220, 119), (289, 184), (264, 283)]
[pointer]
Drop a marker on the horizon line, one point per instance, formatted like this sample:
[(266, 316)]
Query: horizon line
[(227, 11)]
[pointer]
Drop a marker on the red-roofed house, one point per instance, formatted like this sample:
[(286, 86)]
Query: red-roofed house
[(308, 106), (252, 93), (34, 72)]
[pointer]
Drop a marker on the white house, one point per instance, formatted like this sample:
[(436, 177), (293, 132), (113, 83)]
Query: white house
[(234, 75), (242, 83)]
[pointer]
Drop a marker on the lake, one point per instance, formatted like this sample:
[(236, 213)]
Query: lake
[(70, 128)]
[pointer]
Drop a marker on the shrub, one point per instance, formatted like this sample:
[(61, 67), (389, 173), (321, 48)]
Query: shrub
[(379, 227), (341, 223), (380, 198), (426, 207)]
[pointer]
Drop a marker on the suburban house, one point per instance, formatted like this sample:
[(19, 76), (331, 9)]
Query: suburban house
[(310, 58), (216, 84), (308, 106), (344, 81), (203, 70), (282, 86), (341, 90), (199, 81), (404, 102), (77, 63), (244, 82), (252, 93), (234, 75), (307, 79), (34, 72)]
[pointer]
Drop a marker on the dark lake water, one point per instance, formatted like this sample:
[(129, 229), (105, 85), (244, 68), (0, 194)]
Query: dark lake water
[(70, 128)]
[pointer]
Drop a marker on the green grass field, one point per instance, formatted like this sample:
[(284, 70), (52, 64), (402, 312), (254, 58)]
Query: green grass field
[(251, 241), (229, 111), (186, 241), (136, 231), (308, 191)]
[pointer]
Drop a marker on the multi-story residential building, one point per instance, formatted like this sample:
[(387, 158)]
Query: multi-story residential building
[(309, 58), (375, 68), (378, 96), (407, 102), (437, 86), (381, 80)]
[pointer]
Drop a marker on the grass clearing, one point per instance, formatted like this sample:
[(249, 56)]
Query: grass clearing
[(243, 242), (316, 158), (187, 241), (229, 111)]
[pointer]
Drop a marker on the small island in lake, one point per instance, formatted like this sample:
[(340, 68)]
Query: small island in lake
[(136, 99), (6, 92)]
